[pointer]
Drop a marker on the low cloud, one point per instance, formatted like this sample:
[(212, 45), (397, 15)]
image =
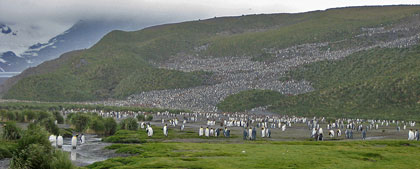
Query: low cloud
[(69, 11), (51, 17)]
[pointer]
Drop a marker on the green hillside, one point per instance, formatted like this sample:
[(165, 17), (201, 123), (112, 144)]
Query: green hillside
[(378, 83), (121, 63), (249, 99)]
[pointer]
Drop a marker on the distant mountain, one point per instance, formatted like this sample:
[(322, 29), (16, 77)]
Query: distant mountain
[(195, 65), (81, 35)]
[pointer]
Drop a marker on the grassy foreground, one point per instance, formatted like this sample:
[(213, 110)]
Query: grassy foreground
[(349, 154)]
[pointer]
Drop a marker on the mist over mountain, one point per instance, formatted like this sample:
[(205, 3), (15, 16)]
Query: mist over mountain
[(81, 35)]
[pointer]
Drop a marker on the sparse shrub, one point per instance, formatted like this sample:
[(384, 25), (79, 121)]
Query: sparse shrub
[(129, 124), (34, 156), (11, 131), (97, 125), (5, 153), (3, 114), (20, 117), (141, 117), (34, 135), (35, 151), (43, 115), (66, 132), (69, 117), (30, 115), (58, 117), (10, 116), (110, 126), (50, 126), (80, 121), (149, 118), (32, 150), (61, 160)]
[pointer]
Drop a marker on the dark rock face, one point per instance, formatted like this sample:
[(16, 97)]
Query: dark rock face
[(9, 62), (5, 29)]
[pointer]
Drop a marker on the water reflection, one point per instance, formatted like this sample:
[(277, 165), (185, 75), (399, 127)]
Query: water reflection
[(73, 155), (89, 152)]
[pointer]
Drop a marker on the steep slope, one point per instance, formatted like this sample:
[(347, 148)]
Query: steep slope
[(378, 83), (126, 63), (385, 82)]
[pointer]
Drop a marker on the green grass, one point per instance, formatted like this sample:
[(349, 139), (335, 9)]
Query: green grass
[(249, 99), (119, 65), (7, 148), (342, 154), (127, 136), (378, 83), (59, 86), (57, 106), (126, 148)]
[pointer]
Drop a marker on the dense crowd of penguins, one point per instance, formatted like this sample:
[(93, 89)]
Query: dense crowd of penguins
[(236, 74), (253, 125)]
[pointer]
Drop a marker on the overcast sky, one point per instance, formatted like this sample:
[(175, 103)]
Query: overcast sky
[(52, 17), (69, 11)]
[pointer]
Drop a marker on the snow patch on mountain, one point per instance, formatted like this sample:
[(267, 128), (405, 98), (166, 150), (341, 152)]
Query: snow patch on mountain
[(37, 47), (5, 29), (81, 35), (19, 37)]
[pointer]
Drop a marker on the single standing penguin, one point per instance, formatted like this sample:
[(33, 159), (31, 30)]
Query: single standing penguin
[(165, 130), (74, 142), (53, 140), (82, 139), (59, 141)]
